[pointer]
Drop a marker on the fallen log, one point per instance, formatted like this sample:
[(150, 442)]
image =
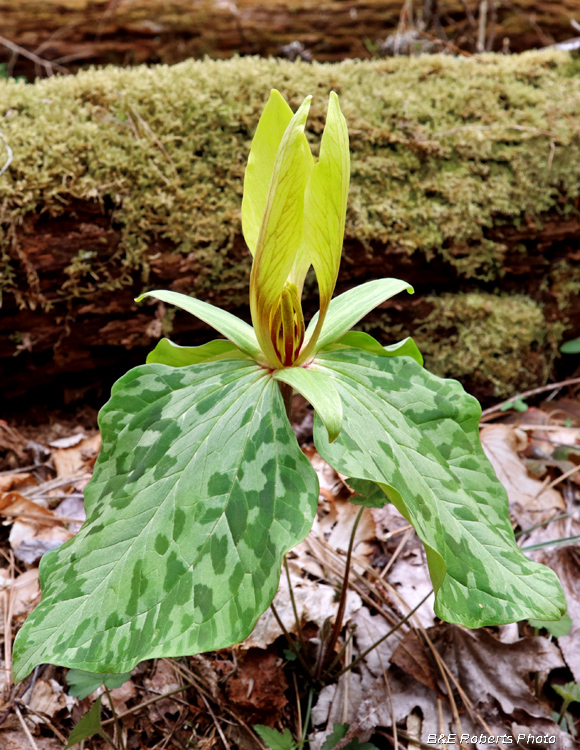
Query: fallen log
[(128, 32), (464, 183)]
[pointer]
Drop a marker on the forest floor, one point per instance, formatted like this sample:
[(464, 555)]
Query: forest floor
[(425, 677)]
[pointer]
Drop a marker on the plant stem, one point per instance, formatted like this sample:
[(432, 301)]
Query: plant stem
[(115, 719), (290, 641), (342, 604), (307, 718), (287, 392), (295, 609)]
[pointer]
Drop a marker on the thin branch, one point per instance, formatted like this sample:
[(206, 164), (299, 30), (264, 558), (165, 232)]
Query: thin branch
[(46, 64), (527, 394)]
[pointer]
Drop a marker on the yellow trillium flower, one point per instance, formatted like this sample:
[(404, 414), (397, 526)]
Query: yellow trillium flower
[(293, 216)]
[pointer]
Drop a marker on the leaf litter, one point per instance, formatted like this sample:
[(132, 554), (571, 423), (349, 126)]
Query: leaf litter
[(425, 677)]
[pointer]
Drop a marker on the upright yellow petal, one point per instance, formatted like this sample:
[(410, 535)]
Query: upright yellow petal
[(281, 229), (325, 210), (273, 123)]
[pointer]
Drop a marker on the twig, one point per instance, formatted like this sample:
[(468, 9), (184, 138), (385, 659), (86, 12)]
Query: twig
[(9, 153), (342, 604), (29, 736), (46, 64), (527, 394), (480, 46), (556, 481), (216, 722)]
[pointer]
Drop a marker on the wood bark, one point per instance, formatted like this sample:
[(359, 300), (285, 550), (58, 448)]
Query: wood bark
[(75, 351), (72, 33)]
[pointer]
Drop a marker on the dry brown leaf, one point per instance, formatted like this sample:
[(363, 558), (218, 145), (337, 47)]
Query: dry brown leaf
[(414, 658), (410, 575), (530, 503), (17, 740), (13, 504), (163, 680), (49, 697), (24, 590), (120, 696), (13, 481), (315, 602), (69, 462), (489, 670), (258, 686)]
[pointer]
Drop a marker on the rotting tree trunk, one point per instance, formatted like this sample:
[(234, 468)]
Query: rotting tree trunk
[(134, 31), (130, 179)]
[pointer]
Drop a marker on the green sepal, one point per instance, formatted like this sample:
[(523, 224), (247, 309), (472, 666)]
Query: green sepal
[(198, 492), (237, 331), (168, 353), (359, 340), (417, 436), (347, 309), (320, 391)]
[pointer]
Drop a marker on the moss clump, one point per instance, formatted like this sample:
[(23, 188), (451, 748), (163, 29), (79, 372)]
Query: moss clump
[(497, 345), (443, 149)]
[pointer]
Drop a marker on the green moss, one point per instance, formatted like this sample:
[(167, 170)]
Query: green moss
[(443, 149), (499, 345)]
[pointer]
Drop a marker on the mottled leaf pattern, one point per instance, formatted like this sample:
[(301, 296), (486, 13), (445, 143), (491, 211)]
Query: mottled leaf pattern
[(417, 435), (199, 490)]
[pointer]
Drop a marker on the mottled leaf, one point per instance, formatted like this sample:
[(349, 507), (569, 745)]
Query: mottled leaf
[(199, 490), (273, 122), (557, 629), (319, 390), (168, 353), (370, 494), (347, 309), (234, 329), (417, 436)]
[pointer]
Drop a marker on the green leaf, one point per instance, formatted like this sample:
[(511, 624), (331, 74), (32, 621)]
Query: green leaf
[(347, 309), (369, 494), (275, 740), (516, 403), (571, 347), (559, 628), (273, 122), (338, 733), (168, 353), (417, 435), (89, 725), (281, 230), (234, 329), (319, 390), (570, 692), (198, 492), (325, 201), (82, 684), (359, 340)]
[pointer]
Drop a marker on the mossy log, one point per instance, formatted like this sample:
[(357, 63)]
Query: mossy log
[(464, 183), (81, 32)]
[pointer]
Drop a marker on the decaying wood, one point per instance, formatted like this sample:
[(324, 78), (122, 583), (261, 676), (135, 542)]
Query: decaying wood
[(79, 32)]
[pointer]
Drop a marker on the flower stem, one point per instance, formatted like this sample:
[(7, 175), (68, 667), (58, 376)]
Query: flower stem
[(286, 391)]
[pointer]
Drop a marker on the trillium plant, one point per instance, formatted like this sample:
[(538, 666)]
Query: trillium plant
[(201, 488)]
